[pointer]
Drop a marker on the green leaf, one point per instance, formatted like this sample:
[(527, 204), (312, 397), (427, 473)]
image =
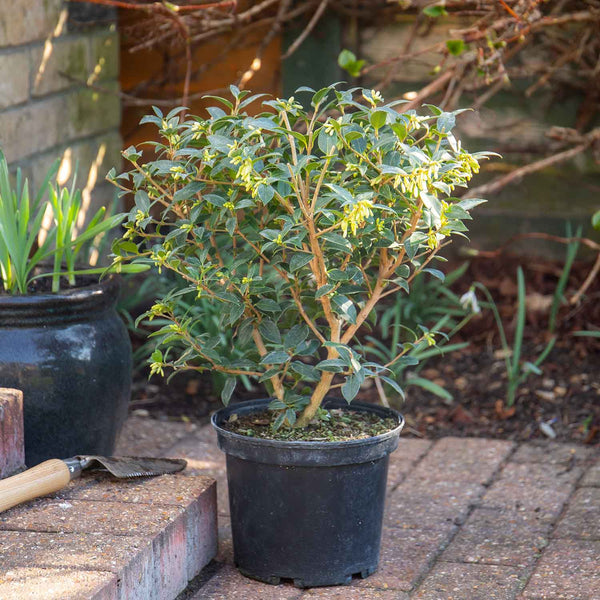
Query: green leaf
[(338, 275), (393, 385), (347, 61), (299, 260), (227, 390), (279, 421), (378, 119), (326, 142), (323, 290), (269, 331), (265, 193), (596, 220), (295, 336), (432, 387), (307, 372), (333, 365), (231, 225), (351, 387), (435, 10), (446, 122), (184, 193), (214, 199), (345, 307), (268, 305), (277, 357), (455, 47)]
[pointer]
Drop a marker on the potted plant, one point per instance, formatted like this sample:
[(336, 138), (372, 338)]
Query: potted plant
[(296, 224), (61, 341)]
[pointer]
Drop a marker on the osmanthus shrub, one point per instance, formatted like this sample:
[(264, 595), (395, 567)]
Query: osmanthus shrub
[(295, 223)]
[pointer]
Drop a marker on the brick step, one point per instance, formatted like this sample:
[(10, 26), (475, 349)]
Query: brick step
[(106, 539)]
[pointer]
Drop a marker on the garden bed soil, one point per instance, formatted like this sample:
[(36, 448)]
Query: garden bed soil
[(562, 403)]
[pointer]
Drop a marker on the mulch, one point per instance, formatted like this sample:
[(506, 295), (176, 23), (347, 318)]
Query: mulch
[(562, 403)]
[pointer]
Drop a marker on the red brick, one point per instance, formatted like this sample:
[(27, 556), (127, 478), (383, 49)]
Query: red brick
[(551, 453), (176, 490), (430, 505), (403, 459), (406, 555), (582, 517), (539, 488), (142, 436), (204, 458), (353, 592), (12, 452), (24, 583), (592, 477), (568, 570), (229, 584), (497, 537), (77, 516), (471, 460), (156, 548), (455, 581)]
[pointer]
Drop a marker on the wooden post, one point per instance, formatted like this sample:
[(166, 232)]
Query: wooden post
[(12, 449)]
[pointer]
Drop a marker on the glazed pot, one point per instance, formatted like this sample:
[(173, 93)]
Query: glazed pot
[(311, 512), (70, 354)]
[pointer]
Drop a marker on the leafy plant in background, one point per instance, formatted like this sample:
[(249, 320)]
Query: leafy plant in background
[(517, 372), (295, 225), (431, 309), (205, 314), (22, 254)]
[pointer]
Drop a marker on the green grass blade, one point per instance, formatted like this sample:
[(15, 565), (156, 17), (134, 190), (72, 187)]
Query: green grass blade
[(572, 249)]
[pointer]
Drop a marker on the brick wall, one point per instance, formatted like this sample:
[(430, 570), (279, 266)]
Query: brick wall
[(59, 67)]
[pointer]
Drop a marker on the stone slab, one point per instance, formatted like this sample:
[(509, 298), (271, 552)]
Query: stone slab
[(455, 581), (568, 570), (12, 449)]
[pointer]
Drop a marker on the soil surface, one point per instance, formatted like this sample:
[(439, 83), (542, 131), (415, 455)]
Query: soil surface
[(338, 426), (561, 403)]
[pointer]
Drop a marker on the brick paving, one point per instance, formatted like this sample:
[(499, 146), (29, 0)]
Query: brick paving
[(465, 519)]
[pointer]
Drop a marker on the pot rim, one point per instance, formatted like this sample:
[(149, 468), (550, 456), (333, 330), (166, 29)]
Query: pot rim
[(67, 306), (218, 417), (73, 294)]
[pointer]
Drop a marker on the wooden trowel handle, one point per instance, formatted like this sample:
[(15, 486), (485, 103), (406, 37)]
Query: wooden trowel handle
[(45, 478)]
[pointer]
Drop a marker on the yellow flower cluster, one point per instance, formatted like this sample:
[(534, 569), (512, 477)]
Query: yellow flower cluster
[(356, 215), (419, 180)]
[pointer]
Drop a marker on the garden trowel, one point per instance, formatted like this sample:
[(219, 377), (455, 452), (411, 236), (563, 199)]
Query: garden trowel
[(54, 474)]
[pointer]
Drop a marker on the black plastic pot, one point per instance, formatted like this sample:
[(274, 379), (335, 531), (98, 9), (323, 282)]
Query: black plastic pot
[(70, 355), (306, 511)]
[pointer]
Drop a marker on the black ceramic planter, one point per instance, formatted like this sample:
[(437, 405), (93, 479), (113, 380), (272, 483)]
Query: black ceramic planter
[(70, 355), (306, 511)]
